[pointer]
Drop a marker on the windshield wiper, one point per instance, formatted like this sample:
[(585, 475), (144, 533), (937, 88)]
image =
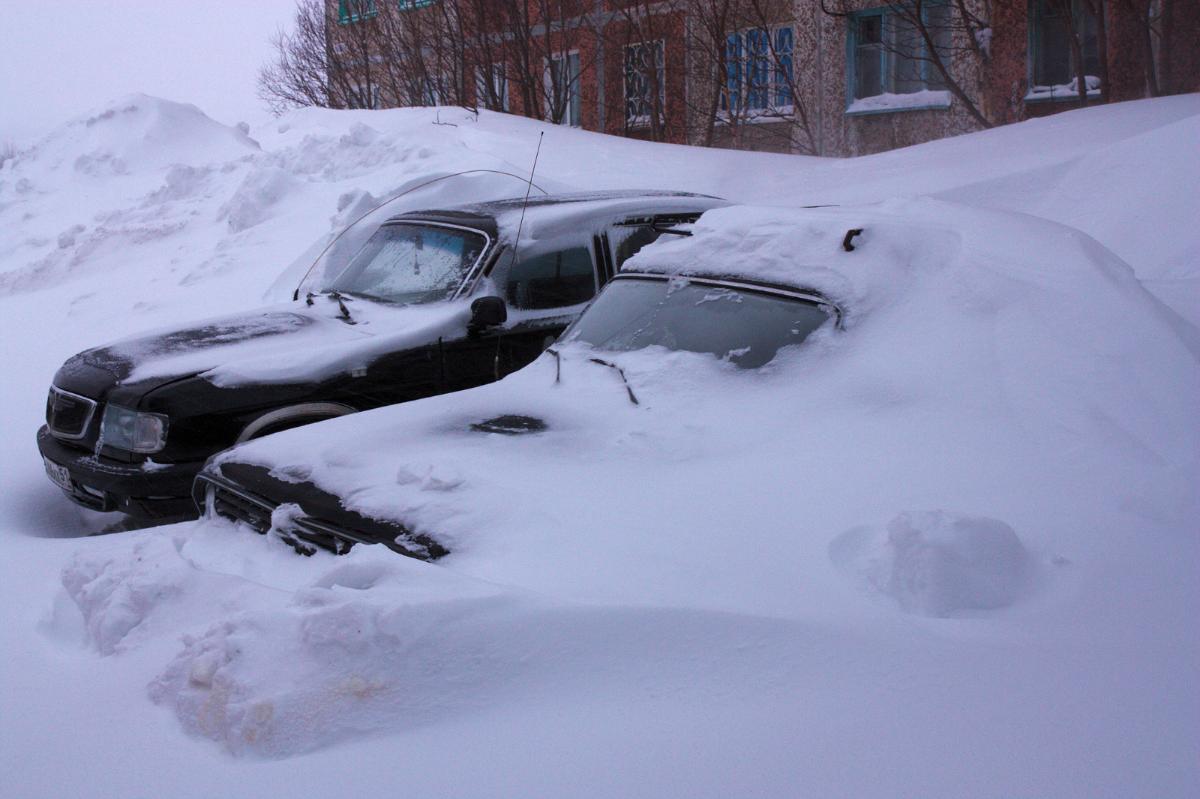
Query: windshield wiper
[(621, 372), (334, 294), (558, 371)]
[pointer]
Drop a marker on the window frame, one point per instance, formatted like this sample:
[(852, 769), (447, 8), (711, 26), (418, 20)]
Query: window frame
[(887, 64), (659, 53), (413, 5), (1034, 34), (574, 87), (499, 83), (740, 65), (347, 16)]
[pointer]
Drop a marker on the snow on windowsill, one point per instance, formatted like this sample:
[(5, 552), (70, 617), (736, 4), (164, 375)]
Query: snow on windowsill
[(912, 101), (1064, 91), (758, 116)]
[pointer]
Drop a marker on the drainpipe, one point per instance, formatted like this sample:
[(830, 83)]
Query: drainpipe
[(599, 65), (819, 89)]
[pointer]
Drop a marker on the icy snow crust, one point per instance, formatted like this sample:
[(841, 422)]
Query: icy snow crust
[(949, 550)]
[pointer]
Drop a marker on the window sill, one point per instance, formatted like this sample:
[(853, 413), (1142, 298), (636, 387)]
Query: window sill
[(758, 117), (1059, 97), (927, 100), (357, 18)]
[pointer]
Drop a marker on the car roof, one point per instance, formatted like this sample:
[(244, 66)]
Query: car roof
[(503, 216)]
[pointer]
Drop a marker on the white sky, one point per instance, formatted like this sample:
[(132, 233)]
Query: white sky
[(59, 58)]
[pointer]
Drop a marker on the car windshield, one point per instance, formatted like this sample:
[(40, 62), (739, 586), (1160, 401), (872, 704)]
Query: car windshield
[(411, 263), (746, 326)]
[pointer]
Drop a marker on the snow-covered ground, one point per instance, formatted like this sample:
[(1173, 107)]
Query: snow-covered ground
[(432, 681)]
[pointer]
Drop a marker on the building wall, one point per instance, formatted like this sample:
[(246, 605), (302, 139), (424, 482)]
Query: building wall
[(822, 122)]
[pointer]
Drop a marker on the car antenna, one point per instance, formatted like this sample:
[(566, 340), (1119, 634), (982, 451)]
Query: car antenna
[(525, 203)]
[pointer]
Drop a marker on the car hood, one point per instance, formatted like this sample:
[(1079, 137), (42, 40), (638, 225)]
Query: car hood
[(555, 448), (292, 342)]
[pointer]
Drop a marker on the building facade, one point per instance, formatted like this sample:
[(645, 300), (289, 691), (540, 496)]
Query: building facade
[(821, 77)]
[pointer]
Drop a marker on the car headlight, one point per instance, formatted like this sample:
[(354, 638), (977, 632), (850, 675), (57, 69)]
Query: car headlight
[(134, 431)]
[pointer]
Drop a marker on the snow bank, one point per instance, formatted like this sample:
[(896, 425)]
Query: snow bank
[(935, 563), (133, 134)]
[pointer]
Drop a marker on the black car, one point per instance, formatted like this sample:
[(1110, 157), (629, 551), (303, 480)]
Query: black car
[(435, 301)]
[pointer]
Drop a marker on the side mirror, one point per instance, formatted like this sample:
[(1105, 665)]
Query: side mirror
[(487, 312)]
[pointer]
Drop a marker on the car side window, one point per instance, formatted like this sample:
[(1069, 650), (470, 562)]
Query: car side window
[(552, 279), (633, 241)]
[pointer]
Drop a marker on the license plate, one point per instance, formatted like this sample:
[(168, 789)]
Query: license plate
[(59, 474)]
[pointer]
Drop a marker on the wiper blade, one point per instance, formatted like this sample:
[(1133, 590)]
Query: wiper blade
[(558, 371), (621, 372), (334, 294)]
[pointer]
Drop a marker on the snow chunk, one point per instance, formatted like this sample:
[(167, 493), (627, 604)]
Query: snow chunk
[(117, 591), (936, 563), (254, 199)]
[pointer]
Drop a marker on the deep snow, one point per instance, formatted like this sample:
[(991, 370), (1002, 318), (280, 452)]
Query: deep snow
[(818, 668)]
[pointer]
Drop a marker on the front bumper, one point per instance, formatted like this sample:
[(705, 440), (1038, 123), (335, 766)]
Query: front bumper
[(250, 495), (162, 492)]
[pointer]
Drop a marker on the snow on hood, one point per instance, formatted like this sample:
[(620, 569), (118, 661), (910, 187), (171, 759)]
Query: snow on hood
[(284, 343)]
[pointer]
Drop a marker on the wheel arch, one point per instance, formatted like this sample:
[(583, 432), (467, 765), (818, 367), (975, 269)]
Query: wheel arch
[(313, 411)]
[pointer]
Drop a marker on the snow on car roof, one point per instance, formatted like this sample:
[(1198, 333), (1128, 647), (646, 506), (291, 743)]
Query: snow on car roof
[(901, 241), (547, 215)]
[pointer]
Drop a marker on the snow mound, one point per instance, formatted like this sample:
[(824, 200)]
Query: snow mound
[(937, 563), (138, 133), (117, 591)]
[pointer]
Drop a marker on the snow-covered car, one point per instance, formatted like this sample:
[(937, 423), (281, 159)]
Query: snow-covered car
[(728, 319), (433, 302)]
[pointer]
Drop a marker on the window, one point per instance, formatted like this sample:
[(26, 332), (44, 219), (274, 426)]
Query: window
[(409, 5), (890, 66), (644, 77), (758, 72), (552, 280), (1052, 69), (355, 10), (410, 264), (436, 90), (562, 89), (494, 94), (364, 97), (745, 326)]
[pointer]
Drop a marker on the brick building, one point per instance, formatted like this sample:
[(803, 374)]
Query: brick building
[(826, 77)]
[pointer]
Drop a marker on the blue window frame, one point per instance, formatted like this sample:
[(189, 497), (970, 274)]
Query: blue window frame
[(412, 5), (355, 10), (886, 53), (758, 72)]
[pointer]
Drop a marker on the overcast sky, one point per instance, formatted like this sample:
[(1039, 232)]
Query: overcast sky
[(59, 58)]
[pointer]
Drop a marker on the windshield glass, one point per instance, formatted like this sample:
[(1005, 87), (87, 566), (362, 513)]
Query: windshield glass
[(410, 263), (745, 326)]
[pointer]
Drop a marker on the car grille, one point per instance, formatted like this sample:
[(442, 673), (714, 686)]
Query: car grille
[(255, 511), (241, 508), (68, 415)]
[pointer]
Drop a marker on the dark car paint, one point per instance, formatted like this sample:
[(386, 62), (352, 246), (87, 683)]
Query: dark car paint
[(205, 418)]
